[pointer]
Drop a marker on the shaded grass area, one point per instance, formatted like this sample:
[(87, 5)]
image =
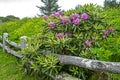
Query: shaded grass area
[(10, 68)]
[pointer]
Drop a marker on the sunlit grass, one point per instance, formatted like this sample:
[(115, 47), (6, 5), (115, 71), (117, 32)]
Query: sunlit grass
[(10, 68)]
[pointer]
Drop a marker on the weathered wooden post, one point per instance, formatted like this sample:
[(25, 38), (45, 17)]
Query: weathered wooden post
[(5, 35), (23, 42)]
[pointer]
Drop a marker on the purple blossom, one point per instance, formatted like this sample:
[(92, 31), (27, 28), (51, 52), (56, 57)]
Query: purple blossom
[(105, 32), (52, 15), (75, 16), (58, 13), (84, 16), (59, 35), (88, 43), (76, 21), (45, 17), (65, 20), (111, 30), (51, 24)]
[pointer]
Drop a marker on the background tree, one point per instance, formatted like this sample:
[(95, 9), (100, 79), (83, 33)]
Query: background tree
[(50, 6), (111, 4), (9, 18)]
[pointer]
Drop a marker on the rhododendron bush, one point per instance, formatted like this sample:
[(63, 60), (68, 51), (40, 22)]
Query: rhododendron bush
[(77, 34)]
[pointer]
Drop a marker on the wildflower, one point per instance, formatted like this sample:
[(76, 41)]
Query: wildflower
[(75, 16), (105, 32), (76, 22), (65, 20), (111, 30), (59, 13), (88, 43), (51, 24), (52, 15), (59, 35), (45, 17), (84, 16)]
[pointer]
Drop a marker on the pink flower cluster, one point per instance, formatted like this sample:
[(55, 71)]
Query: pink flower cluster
[(75, 18), (84, 16), (58, 13), (59, 35), (106, 32), (45, 17), (88, 43), (51, 24), (65, 20)]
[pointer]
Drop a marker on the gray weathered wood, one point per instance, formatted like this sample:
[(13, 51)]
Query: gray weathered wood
[(5, 35), (13, 44), (94, 65), (8, 50), (23, 42), (65, 76), (13, 52)]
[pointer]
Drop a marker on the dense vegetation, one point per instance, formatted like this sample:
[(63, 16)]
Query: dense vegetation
[(105, 46)]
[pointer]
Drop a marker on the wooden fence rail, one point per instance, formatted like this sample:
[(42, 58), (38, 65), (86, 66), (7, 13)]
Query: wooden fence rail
[(5, 42), (94, 65)]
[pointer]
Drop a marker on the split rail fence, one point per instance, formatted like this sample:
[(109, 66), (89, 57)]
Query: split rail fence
[(94, 65)]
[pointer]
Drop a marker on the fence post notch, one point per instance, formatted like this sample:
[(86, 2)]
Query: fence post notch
[(23, 42), (5, 35)]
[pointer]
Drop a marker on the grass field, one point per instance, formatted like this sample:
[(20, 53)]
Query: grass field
[(10, 68)]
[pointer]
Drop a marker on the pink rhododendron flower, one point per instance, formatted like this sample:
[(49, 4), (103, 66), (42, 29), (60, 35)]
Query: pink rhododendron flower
[(111, 30), (75, 16), (84, 16), (105, 32), (59, 35), (65, 20), (52, 15), (88, 43), (51, 24), (76, 21), (45, 17), (58, 13)]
